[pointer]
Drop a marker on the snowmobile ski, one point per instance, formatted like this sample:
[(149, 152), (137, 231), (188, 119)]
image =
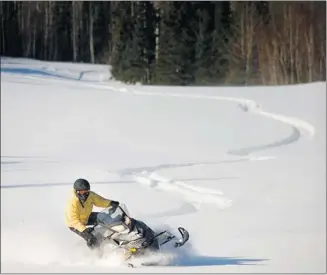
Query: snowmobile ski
[(116, 227)]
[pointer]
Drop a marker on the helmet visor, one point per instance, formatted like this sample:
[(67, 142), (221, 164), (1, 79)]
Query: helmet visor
[(82, 192)]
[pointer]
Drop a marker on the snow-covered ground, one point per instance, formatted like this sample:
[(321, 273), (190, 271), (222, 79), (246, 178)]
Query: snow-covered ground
[(242, 168)]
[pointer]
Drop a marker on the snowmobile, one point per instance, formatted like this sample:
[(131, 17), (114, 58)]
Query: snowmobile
[(115, 226)]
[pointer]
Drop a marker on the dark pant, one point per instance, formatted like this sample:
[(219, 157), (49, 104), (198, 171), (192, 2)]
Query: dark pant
[(91, 221)]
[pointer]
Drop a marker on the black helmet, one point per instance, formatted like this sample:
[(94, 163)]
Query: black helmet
[(81, 184)]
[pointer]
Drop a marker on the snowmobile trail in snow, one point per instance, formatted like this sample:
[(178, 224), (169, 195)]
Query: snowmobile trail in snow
[(194, 195), (299, 126)]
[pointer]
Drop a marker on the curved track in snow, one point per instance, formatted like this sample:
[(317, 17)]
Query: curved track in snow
[(195, 196), (148, 176)]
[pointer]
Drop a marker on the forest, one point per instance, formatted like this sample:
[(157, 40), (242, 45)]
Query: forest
[(175, 42)]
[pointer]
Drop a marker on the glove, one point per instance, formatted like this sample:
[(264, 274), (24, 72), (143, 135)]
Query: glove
[(89, 230), (114, 204), (91, 240)]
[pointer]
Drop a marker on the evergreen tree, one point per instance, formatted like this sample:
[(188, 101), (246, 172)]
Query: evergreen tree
[(204, 57), (220, 41), (212, 31), (176, 44), (139, 55), (119, 32), (134, 51)]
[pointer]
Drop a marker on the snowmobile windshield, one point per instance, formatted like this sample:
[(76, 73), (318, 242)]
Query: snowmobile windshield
[(115, 220)]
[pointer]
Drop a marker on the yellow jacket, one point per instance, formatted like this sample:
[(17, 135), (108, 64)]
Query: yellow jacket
[(77, 215)]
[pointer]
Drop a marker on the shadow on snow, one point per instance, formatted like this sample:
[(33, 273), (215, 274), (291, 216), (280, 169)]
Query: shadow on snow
[(42, 72), (34, 72), (212, 261)]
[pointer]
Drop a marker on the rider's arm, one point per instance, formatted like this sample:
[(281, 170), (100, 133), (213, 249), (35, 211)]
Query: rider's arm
[(100, 201)]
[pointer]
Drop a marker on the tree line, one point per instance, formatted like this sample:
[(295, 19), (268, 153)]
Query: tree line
[(175, 42)]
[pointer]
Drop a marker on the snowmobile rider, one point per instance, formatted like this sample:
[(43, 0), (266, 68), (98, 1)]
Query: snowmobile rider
[(79, 213)]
